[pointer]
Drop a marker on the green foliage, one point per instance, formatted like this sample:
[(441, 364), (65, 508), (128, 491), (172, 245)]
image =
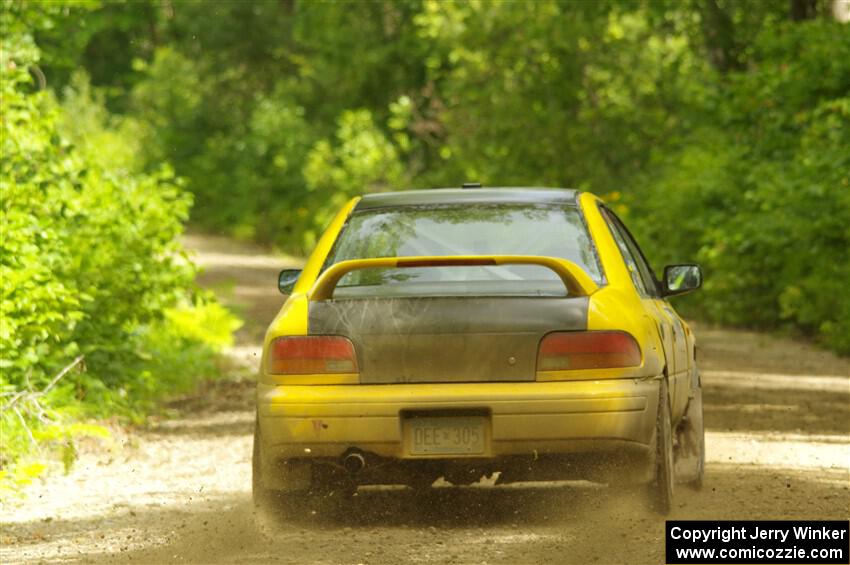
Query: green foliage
[(760, 191), (14, 479), (91, 266), (88, 255), (721, 126), (208, 322), (112, 141), (360, 160)]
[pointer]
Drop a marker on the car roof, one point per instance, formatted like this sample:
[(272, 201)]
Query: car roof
[(438, 196)]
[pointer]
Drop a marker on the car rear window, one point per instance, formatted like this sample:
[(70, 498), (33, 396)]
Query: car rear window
[(553, 231)]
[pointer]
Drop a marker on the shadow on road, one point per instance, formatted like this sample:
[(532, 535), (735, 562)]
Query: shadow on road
[(777, 410)]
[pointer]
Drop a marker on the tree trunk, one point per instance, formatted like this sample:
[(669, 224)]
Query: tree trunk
[(803, 9), (719, 32)]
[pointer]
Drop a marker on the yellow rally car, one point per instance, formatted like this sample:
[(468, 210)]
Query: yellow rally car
[(459, 332)]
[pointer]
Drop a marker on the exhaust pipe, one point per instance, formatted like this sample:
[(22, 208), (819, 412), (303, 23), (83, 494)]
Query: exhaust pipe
[(353, 462)]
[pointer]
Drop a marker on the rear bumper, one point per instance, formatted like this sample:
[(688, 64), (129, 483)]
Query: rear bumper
[(539, 418)]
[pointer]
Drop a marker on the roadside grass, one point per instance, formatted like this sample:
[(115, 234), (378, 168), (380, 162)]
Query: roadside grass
[(41, 431)]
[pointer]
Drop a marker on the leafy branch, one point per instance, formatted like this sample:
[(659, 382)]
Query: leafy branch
[(30, 395)]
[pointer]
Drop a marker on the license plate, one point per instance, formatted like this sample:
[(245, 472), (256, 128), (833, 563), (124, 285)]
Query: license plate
[(446, 435)]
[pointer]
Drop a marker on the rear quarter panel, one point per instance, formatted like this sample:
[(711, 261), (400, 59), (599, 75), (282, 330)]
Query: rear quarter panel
[(618, 305), (292, 319)]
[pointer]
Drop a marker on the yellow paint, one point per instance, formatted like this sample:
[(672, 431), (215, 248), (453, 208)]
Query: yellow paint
[(318, 379), (576, 280), (292, 317), (550, 417), (617, 306), (317, 258), (592, 374), (514, 398)]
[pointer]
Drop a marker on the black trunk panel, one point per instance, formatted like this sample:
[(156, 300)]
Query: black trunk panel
[(422, 340)]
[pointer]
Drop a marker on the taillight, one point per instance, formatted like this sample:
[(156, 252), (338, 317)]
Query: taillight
[(564, 351), (308, 355)]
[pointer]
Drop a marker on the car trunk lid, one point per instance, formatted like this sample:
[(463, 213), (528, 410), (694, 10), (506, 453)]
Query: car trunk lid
[(447, 339)]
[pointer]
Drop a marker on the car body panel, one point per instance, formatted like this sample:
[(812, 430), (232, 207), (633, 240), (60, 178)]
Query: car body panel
[(392, 336), (668, 338), (467, 197), (575, 279), (292, 317), (323, 422)]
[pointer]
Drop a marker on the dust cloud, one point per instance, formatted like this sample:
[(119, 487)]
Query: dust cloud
[(778, 447)]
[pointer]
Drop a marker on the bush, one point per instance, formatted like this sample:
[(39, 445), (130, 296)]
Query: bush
[(763, 202), (91, 268)]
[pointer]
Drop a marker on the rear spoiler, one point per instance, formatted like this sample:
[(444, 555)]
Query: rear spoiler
[(577, 282)]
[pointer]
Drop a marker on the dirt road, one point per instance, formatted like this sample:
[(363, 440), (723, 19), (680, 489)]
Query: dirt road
[(778, 443)]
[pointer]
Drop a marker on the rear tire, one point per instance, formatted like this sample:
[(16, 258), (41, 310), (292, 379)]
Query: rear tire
[(273, 508), (267, 502), (690, 447), (662, 487)]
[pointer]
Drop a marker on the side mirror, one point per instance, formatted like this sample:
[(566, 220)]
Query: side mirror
[(680, 279), (286, 280)]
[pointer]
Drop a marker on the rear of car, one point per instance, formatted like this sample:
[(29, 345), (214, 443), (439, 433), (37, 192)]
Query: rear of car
[(456, 334)]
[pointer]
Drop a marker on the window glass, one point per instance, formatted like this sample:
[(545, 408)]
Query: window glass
[(644, 268), (631, 255), (553, 231)]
